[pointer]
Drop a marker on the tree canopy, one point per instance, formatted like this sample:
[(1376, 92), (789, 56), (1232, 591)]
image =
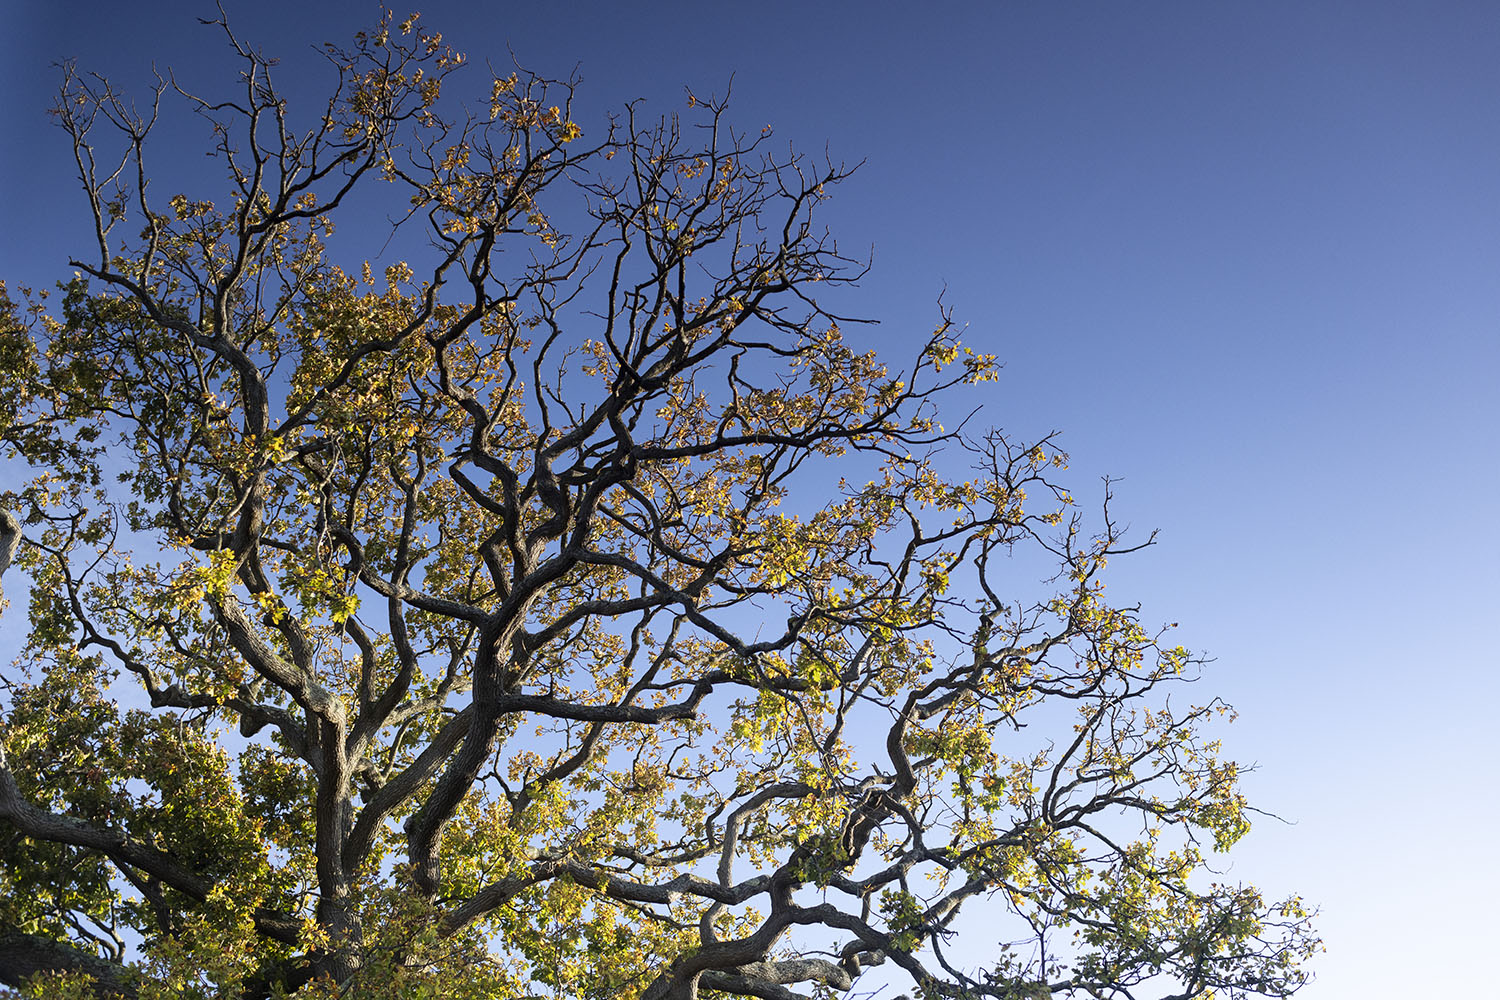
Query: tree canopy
[(576, 608)]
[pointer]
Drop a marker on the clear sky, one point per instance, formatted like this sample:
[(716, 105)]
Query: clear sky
[(1245, 256)]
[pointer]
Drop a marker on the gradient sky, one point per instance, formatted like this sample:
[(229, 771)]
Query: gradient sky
[(1245, 256)]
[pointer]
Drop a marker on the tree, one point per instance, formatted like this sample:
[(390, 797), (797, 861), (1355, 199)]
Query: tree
[(492, 625)]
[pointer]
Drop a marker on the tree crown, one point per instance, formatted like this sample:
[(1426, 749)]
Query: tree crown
[(573, 608)]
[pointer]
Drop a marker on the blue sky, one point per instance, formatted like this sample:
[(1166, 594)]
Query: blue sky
[(1246, 257)]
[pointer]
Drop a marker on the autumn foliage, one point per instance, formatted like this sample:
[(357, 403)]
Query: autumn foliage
[(576, 608)]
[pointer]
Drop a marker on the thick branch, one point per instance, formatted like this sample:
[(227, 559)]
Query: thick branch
[(23, 956)]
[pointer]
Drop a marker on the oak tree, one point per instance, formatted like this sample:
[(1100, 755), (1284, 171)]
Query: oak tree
[(575, 608)]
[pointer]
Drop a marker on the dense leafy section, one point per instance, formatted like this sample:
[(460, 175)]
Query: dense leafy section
[(573, 610)]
